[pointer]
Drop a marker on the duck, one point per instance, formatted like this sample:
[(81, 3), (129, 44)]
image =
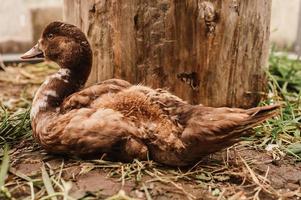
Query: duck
[(120, 121)]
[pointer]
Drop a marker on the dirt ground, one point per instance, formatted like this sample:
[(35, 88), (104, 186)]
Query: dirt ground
[(222, 175), (244, 171)]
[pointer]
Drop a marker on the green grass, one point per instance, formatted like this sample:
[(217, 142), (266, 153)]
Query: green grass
[(14, 127), (286, 72), (284, 87), (3, 172)]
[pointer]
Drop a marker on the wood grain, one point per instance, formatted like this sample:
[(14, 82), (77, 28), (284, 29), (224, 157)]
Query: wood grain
[(210, 52)]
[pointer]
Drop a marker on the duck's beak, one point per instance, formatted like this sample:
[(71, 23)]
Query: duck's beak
[(34, 52)]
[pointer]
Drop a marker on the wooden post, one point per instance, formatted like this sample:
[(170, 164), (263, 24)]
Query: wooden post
[(210, 52)]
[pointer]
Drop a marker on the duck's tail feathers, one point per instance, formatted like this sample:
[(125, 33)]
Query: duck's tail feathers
[(217, 128), (257, 116)]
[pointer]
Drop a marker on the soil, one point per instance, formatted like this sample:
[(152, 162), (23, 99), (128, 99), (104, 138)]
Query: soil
[(284, 176), (240, 172)]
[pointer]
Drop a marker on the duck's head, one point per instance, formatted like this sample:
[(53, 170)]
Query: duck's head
[(64, 44)]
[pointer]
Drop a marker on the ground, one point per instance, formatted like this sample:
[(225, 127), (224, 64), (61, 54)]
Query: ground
[(256, 168)]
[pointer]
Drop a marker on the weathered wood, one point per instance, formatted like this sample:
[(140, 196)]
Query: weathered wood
[(220, 48)]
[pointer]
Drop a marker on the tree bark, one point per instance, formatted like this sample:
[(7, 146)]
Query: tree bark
[(210, 52)]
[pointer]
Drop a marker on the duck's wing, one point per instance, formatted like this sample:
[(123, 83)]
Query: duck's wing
[(208, 130), (85, 97), (91, 132)]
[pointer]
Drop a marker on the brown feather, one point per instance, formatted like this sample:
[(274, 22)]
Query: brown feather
[(125, 121)]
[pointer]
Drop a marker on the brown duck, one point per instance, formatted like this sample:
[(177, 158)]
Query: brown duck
[(120, 120)]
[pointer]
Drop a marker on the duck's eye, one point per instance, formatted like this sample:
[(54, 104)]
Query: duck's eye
[(50, 36)]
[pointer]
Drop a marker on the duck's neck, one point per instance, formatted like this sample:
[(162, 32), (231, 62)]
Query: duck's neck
[(57, 87)]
